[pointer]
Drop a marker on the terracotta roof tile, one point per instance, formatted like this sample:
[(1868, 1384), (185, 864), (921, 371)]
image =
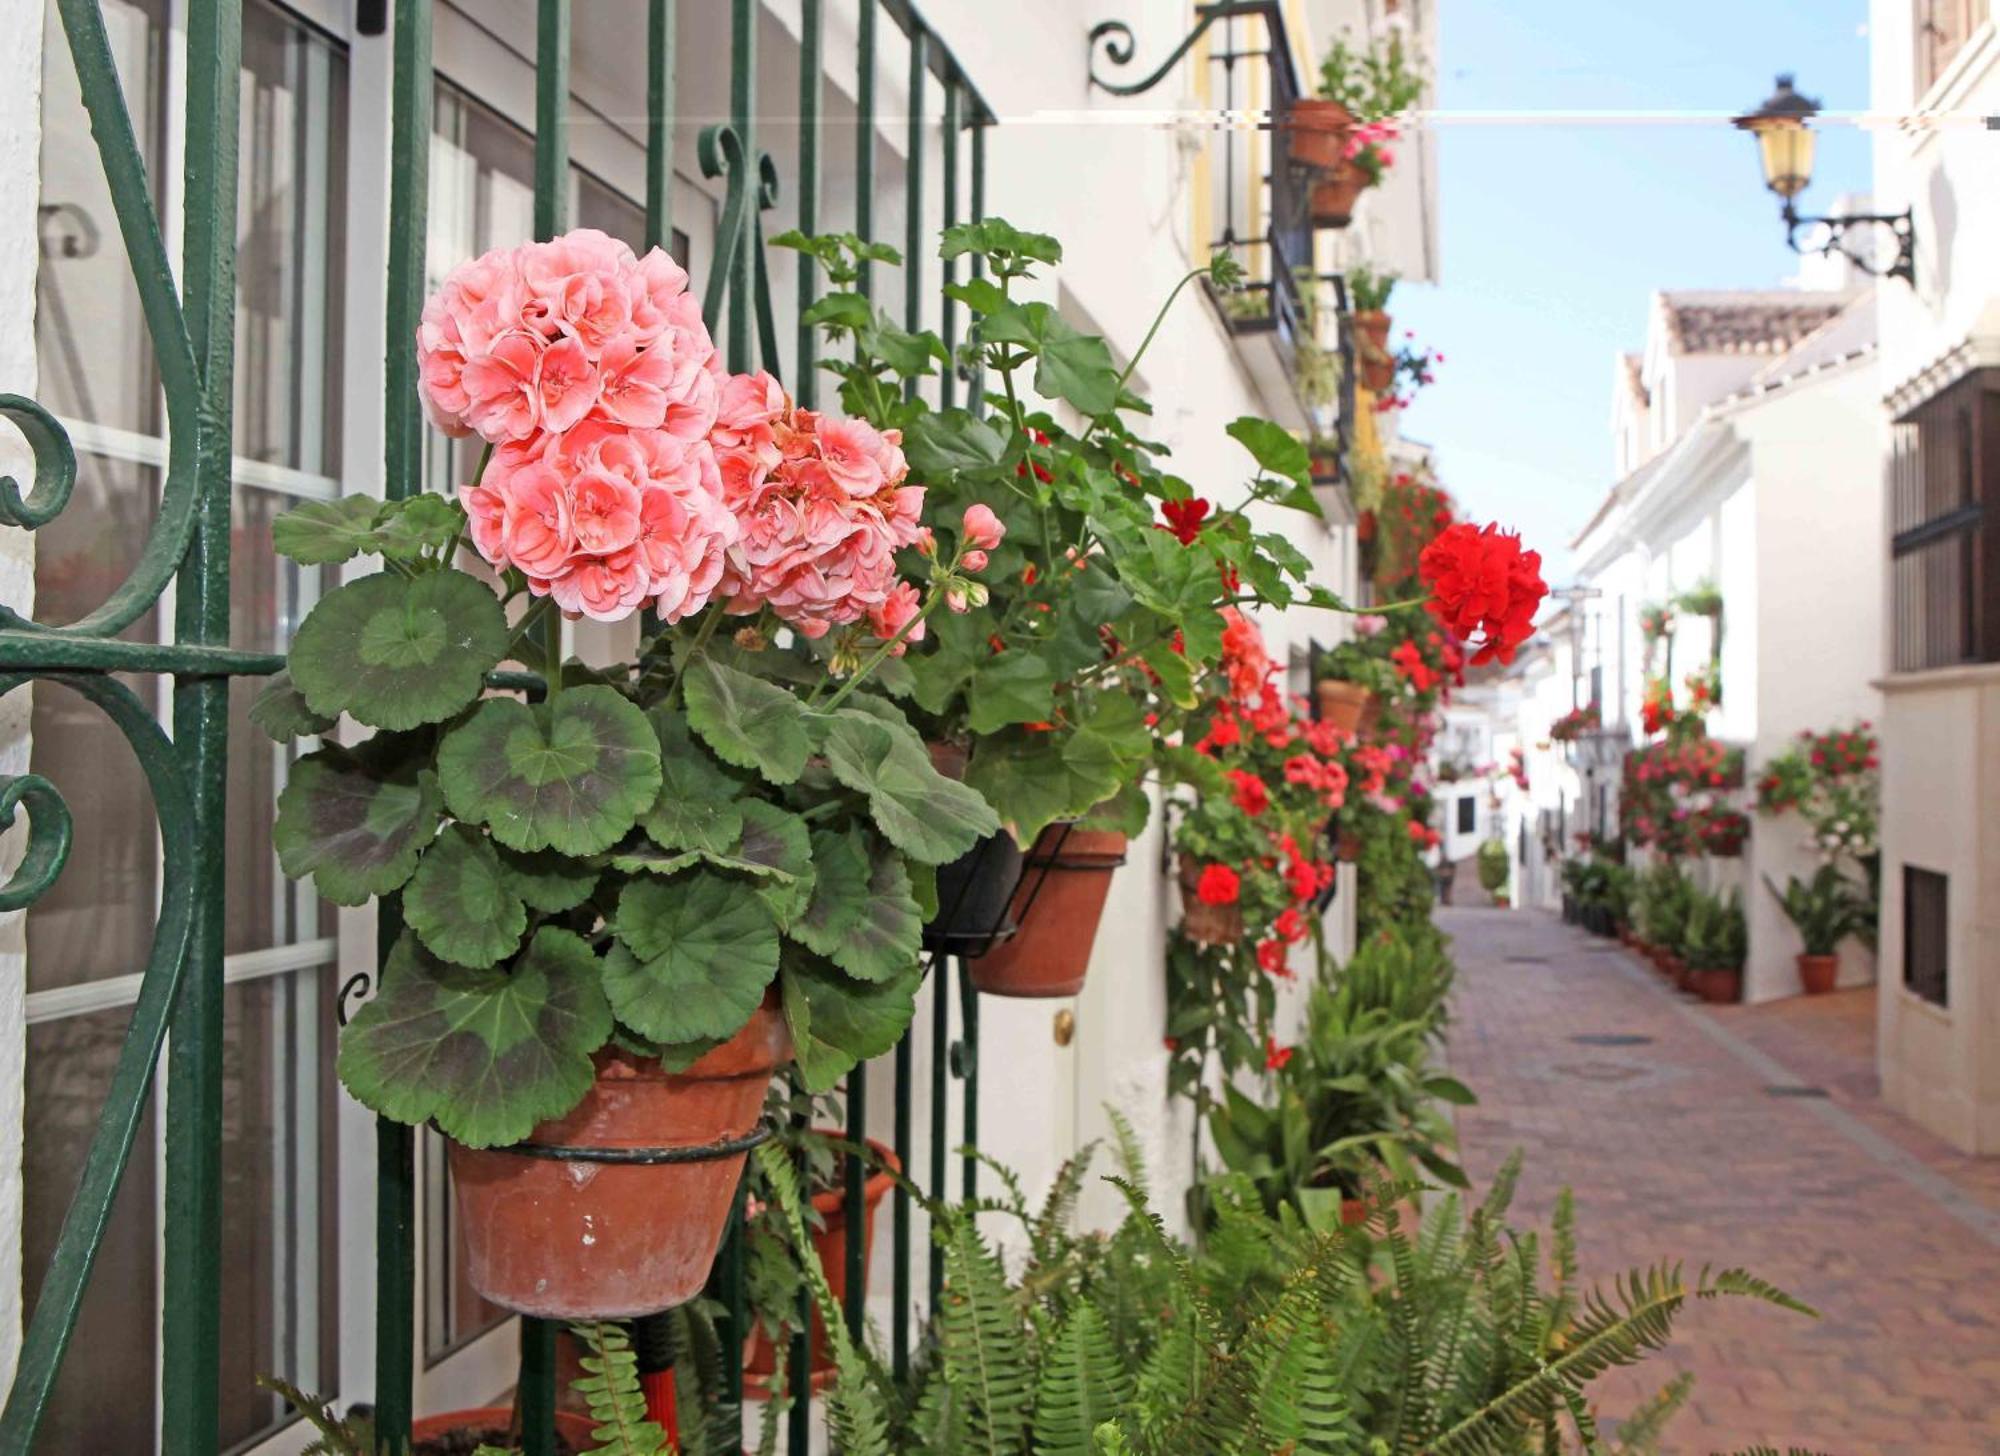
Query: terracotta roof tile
[(1768, 322)]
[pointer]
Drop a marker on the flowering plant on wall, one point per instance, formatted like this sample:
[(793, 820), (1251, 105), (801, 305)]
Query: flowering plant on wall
[(1576, 723), (1679, 796), (1833, 780), (625, 862), (1094, 613)]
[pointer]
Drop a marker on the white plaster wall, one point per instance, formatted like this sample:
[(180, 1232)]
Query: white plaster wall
[(20, 144)]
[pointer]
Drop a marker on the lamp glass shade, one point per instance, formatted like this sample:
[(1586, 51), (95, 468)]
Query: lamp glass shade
[(1786, 147)]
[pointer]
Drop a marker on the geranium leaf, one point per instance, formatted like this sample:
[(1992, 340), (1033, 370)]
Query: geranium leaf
[(1275, 449), (356, 820), (651, 861), (920, 811), (693, 810), (939, 445), (399, 651), (777, 845), (840, 886), (573, 775), (326, 533), (547, 881), (487, 1054), (887, 937), (693, 957), (1027, 780), (1015, 687), (461, 903), (281, 712), (420, 525), (747, 721), (837, 1022)]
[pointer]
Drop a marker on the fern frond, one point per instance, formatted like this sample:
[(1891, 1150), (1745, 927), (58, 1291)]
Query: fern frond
[(352, 1436), (984, 1351), (1083, 1385), (1639, 1433), (1131, 1156), (610, 1387)]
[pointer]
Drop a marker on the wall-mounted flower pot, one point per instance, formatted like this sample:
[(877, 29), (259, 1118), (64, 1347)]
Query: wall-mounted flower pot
[(830, 1246), (973, 890), (1058, 905), (1201, 921), (1335, 194), (1316, 132), (592, 1239), (1343, 704), (1364, 526), (1723, 987), (458, 1432), (1378, 366), (1818, 972)]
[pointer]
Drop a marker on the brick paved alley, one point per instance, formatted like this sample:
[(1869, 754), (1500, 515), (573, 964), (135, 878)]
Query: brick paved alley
[(1676, 1146)]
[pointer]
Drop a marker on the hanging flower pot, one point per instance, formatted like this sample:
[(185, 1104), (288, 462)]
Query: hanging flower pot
[(1817, 973), (457, 1433), (599, 1238), (1335, 194), (1316, 132), (1342, 703), (974, 890), (1378, 366), (1201, 921), (1058, 906), (1364, 526), (830, 1248)]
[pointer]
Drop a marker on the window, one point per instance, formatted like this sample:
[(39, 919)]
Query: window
[(90, 934), (1942, 29), (1944, 583), (1468, 814), (1926, 927)]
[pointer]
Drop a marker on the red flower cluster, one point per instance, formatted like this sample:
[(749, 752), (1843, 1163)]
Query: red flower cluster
[(1184, 518), (1249, 792), (1041, 471), (1484, 588), (1218, 885)]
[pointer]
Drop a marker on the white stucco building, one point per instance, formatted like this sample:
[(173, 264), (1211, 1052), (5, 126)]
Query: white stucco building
[(1136, 190)]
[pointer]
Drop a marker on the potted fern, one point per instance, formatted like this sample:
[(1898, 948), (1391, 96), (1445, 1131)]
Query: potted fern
[(1825, 910), (628, 894)]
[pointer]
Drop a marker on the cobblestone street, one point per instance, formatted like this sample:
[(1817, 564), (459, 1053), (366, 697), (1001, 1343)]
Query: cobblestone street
[(1745, 1136)]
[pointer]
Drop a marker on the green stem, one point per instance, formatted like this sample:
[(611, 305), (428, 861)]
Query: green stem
[(874, 659), (1158, 319), (709, 622), (553, 659)]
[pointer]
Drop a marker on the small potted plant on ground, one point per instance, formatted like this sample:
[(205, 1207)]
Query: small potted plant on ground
[(1714, 946), (1825, 910), (1495, 869)]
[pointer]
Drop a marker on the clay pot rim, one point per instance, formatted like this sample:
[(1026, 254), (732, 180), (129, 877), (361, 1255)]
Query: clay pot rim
[(873, 1188)]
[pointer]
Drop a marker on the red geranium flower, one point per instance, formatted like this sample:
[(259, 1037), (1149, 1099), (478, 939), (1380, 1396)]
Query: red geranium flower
[(1271, 959), (1249, 792), (1484, 587), (1409, 660), (1184, 518), (1218, 885), (1275, 1056), (1290, 926)]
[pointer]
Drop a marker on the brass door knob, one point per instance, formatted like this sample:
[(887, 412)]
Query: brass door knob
[(1065, 1026)]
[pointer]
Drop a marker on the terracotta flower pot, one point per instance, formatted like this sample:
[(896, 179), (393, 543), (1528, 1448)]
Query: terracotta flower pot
[(596, 1240), (1058, 907), (1818, 972), (1378, 366), (1348, 850), (1364, 526), (830, 1247), (1723, 987), (1372, 324), (434, 1435), (1342, 704), (1203, 922), (1500, 902), (1335, 194), (1316, 132)]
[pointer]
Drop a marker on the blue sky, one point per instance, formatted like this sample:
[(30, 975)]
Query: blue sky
[(1554, 236)]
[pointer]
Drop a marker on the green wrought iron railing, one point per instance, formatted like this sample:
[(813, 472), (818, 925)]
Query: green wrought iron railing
[(191, 331)]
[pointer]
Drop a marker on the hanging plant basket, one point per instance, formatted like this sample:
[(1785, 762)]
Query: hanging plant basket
[(1208, 924), (1316, 132), (830, 1247), (1336, 193), (1057, 909), (616, 1208), (1343, 704)]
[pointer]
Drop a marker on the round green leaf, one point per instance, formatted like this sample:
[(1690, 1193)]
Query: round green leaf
[(839, 892), (836, 1022), (356, 820), (399, 651), (462, 902), (573, 775), (747, 721), (693, 957), (887, 937), (324, 533), (694, 809), (281, 712), (776, 845), (487, 1054), (926, 815), (549, 882)]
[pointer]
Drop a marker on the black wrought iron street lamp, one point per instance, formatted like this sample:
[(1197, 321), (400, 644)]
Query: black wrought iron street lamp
[(1783, 128)]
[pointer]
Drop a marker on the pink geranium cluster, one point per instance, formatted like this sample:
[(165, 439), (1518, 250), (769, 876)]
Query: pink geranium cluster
[(824, 509)]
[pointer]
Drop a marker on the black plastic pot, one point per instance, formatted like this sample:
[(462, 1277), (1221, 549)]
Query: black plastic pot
[(974, 892)]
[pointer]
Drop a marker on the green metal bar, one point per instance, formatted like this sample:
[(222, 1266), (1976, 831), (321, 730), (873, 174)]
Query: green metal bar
[(395, 1143), (798, 1383), (735, 1299), (864, 141), (536, 1390), (805, 382), (856, 1169), (941, 1055), (662, 27), (899, 1314), (83, 1227), (948, 324), (913, 197), (551, 126), (191, 1318), (980, 121), (968, 1000), (45, 652), (740, 264)]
